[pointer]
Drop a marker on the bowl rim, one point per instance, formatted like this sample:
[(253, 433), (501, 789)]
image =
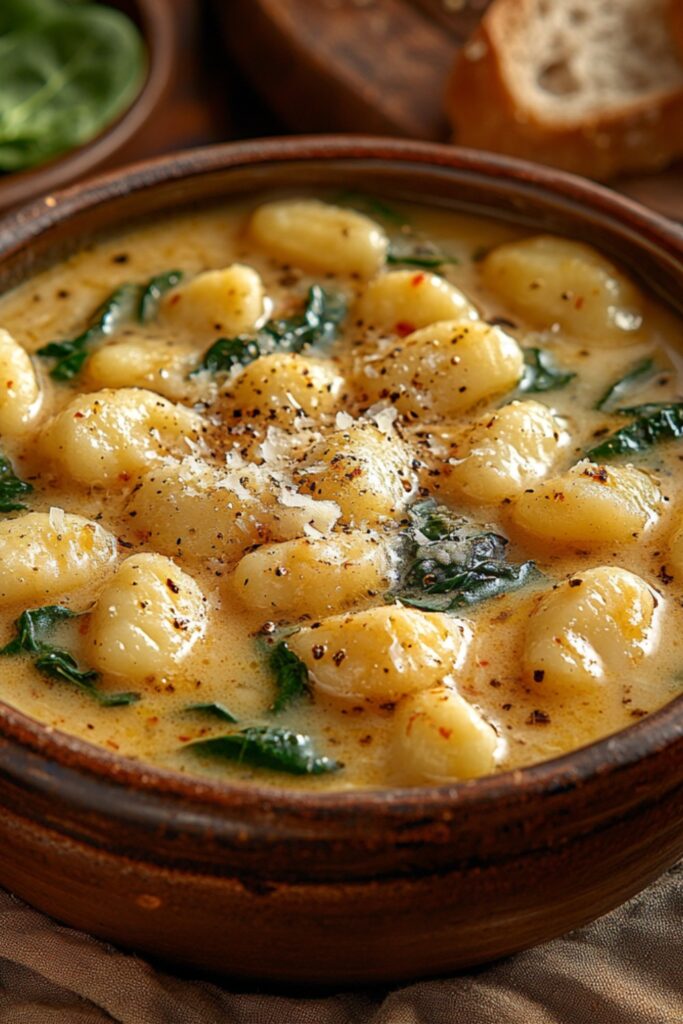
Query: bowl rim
[(159, 34), (635, 743)]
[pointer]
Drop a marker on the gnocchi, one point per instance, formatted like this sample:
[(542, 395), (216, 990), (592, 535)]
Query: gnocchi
[(382, 654), (305, 576), (443, 370), (365, 471), (319, 236), (402, 301), (593, 630), (589, 505), (439, 737), (112, 435), (501, 453), (552, 281), (45, 554), (20, 395), (228, 301), (281, 388), (147, 620)]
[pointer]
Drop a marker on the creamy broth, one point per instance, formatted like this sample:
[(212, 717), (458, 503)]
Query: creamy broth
[(266, 451)]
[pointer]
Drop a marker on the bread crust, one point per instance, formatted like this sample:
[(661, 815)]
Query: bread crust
[(486, 114)]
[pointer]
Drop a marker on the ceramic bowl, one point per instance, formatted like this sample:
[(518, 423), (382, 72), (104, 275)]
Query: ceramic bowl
[(347, 887), (158, 30)]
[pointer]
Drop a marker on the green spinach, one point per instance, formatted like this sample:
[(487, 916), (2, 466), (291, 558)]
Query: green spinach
[(316, 325), (264, 747), (449, 563), (11, 488), (119, 307), (654, 424), (153, 292), (128, 303), (623, 385), (214, 709), (416, 253), (66, 72), (31, 630), (541, 373), (291, 676)]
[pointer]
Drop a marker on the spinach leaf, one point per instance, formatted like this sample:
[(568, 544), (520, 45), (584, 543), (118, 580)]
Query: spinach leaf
[(541, 374), (119, 307), (654, 426), (33, 626), (371, 206), (450, 563), (280, 749), (316, 325), (129, 302), (11, 487), (66, 72), (416, 253), (152, 292), (291, 676), (226, 353), (622, 386), (61, 665), (215, 710)]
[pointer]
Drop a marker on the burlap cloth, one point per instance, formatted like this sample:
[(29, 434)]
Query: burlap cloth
[(627, 968)]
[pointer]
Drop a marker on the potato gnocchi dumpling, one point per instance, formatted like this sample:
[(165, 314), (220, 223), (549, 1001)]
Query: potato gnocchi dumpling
[(551, 280), (595, 629), (319, 236), (45, 554), (366, 471), (501, 453), (20, 396), (228, 301), (146, 621), (306, 577), (394, 495), (154, 364), (590, 504), (281, 388), (438, 737), (114, 434), (382, 654), (402, 301), (444, 370)]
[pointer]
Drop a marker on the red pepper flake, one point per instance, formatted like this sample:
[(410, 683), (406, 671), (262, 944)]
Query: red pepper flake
[(124, 476), (403, 328), (445, 733), (578, 302), (417, 279)]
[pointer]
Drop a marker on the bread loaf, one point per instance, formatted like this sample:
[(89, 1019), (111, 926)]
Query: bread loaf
[(591, 86)]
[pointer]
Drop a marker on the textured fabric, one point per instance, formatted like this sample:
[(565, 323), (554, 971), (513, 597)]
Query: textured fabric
[(626, 968)]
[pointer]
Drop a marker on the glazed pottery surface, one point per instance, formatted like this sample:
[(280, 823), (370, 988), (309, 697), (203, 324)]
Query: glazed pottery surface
[(354, 886)]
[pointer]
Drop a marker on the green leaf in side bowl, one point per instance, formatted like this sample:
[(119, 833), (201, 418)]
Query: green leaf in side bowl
[(66, 72)]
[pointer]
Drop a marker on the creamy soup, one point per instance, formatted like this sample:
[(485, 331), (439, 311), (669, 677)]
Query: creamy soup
[(330, 493)]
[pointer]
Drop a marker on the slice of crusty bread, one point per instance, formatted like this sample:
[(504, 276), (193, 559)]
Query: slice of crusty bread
[(591, 86)]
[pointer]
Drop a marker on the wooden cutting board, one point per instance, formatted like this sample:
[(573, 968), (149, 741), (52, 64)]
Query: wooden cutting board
[(372, 66)]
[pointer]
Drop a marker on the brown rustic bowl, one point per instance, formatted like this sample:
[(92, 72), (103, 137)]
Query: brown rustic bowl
[(347, 887), (158, 30)]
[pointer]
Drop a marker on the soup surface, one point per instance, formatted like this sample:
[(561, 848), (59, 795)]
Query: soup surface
[(330, 493)]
